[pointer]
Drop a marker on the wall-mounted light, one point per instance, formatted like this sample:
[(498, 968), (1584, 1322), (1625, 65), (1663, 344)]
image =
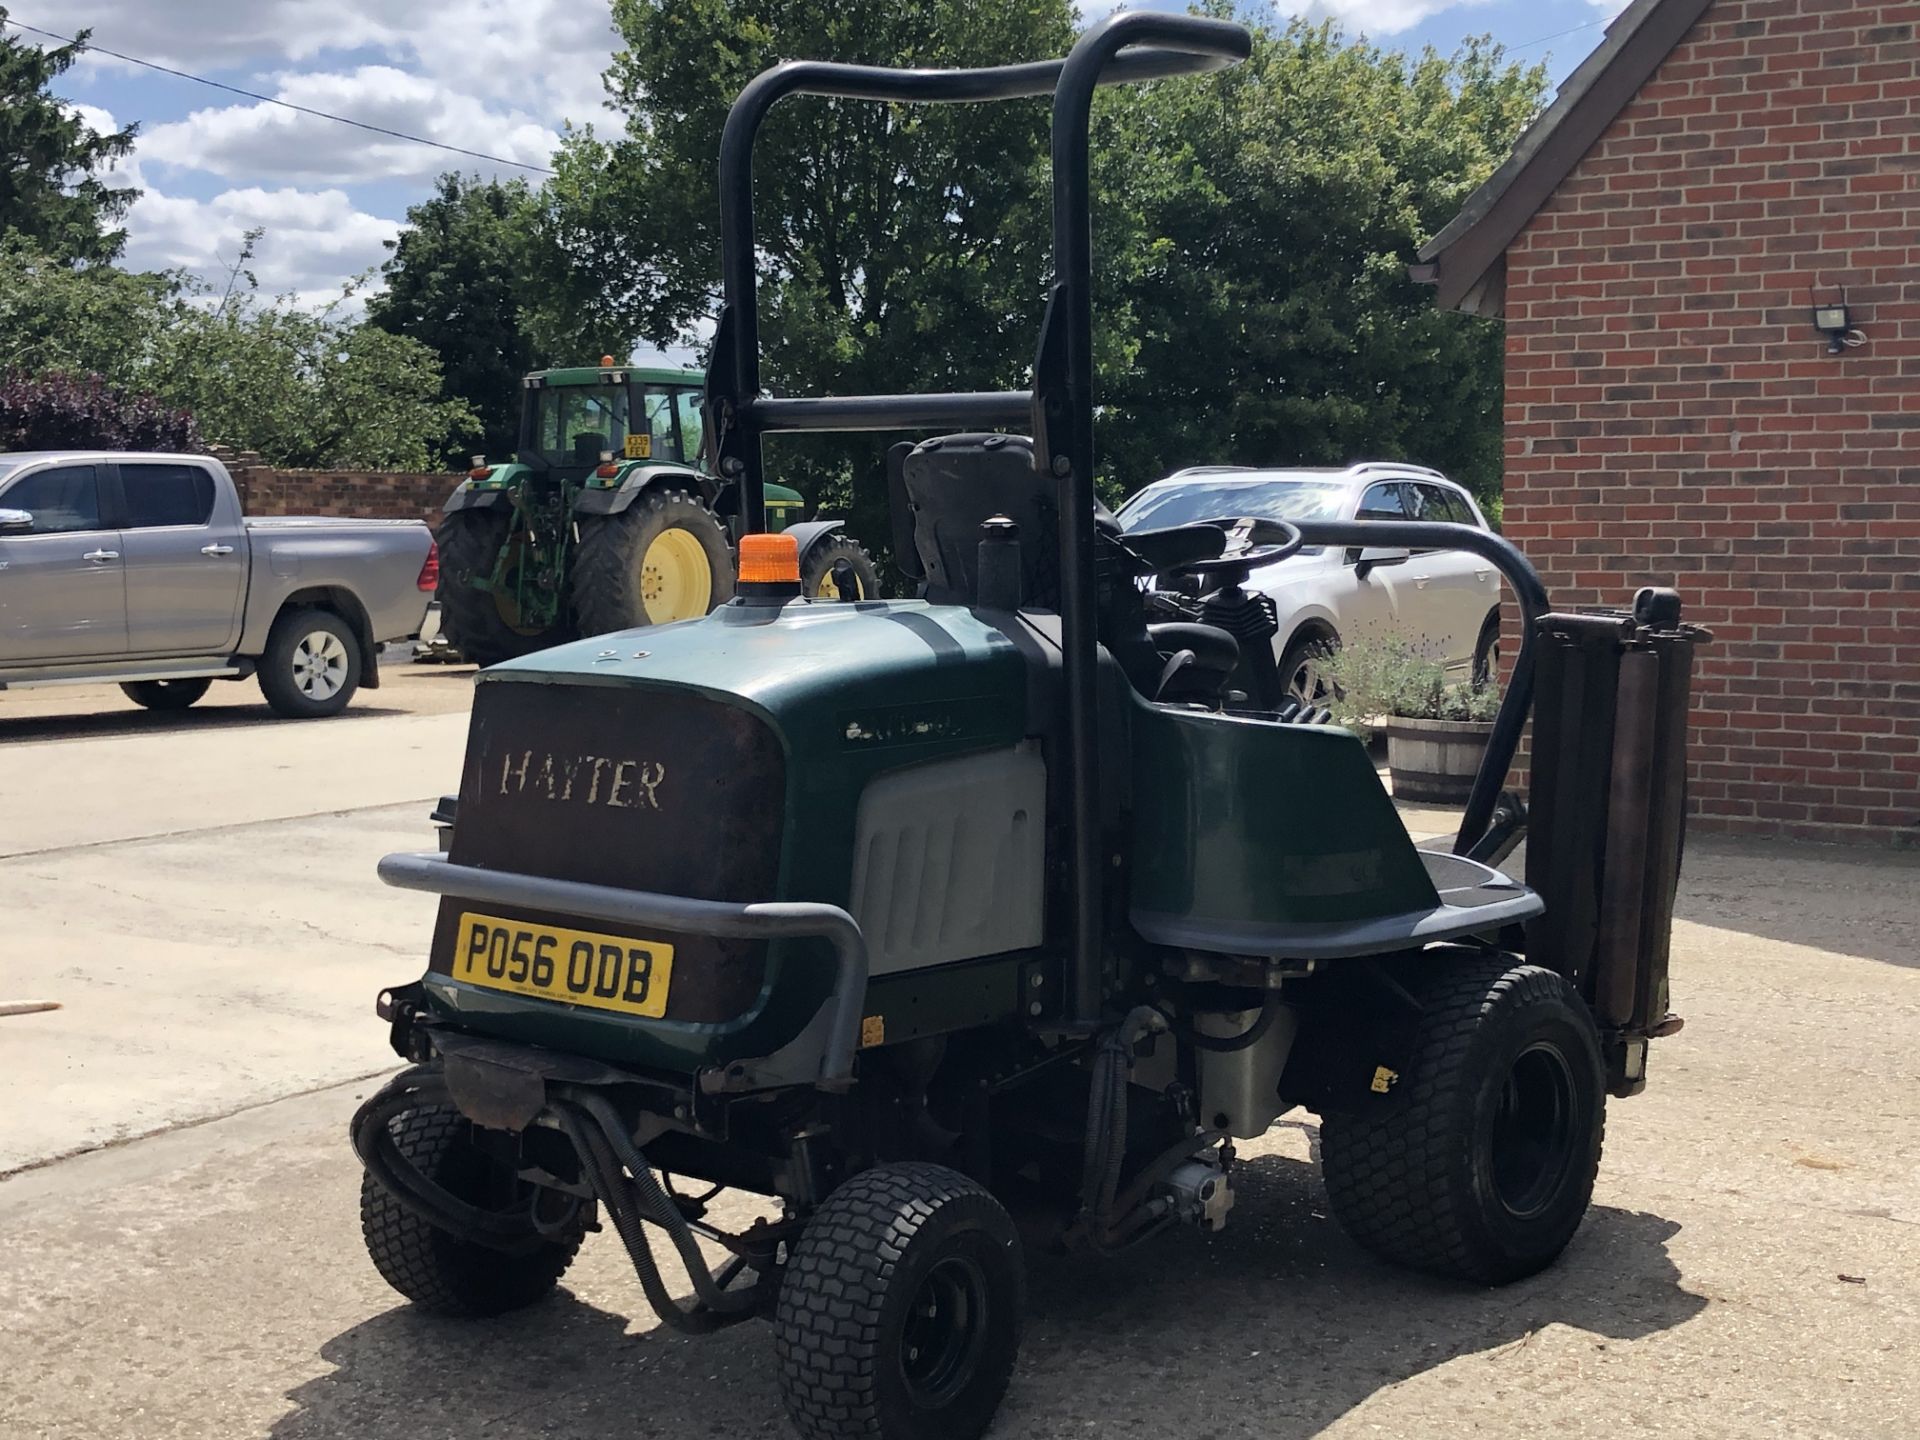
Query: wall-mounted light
[(1833, 320)]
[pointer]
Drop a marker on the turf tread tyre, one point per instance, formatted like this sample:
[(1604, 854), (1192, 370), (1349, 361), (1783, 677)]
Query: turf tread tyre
[(275, 671), (843, 1284), (829, 551), (470, 542), (436, 1271), (165, 694), (606, 567), (1401, 1179)]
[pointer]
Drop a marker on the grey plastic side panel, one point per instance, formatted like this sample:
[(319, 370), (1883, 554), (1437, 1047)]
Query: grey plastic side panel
[(949, 860)]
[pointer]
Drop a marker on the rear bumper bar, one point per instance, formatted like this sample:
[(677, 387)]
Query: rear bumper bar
[(766, 920)]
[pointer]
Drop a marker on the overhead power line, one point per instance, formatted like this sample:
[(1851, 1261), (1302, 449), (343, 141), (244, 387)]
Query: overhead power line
[(1559, 34), (271, 100)]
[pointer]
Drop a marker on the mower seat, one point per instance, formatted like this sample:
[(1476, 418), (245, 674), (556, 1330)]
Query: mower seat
[(954, 484)]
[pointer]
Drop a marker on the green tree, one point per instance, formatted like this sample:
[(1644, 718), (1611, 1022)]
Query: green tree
[(1256, 229), (456, 282), (303, 387), (903, 248), (51, 192), (311, 387)]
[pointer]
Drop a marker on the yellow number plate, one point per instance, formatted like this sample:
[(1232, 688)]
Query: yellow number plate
[(640, 447), (576, 967)]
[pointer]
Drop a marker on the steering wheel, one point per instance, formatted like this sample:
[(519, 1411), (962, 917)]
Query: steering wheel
[(1239, 564)]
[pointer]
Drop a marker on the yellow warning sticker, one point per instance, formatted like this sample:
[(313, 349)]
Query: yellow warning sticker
[(873, 1030), (1383, 1079)]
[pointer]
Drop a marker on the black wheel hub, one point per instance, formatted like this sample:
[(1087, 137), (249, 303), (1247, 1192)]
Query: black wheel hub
[(945, 1331), (1533, 1131)]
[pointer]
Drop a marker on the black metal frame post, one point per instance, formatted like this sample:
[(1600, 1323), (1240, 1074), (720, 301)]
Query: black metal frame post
[(1123, 48), (1527, 590), (1217, 43)]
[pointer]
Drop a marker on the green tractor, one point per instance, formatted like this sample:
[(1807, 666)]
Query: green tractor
[(992, 919), (604, 520)]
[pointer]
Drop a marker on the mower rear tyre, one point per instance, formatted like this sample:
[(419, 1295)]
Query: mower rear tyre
[(428, 1265), (471, 619), (664, 558), (899, 1314), (822, 575), (1482, 1168)]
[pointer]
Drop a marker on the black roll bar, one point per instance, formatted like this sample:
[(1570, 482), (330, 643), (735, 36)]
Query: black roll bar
[(1528, 590), (1123, 48), (1063, 437)]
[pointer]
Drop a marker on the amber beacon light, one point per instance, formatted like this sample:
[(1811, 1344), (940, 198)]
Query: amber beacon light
[(769, 567)]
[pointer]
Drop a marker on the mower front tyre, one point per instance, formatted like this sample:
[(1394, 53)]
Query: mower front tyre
[(899, 1313), (432, 1267), (1482, 1166)]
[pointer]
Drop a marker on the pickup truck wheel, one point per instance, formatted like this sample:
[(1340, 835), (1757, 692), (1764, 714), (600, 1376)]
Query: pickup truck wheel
[(165, 694), (473, 619), (311, 666), (663, 559)]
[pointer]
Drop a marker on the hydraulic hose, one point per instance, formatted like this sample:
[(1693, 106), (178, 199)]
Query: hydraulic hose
[(1107, 1119), (510, 1232), (603, 1146), (1228, 1044)]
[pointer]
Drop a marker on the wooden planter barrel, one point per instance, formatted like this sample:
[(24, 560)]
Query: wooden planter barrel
[(1435, 760)]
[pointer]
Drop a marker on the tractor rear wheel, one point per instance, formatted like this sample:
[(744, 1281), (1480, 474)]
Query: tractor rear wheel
[(1482, 1167), (899, 1314), (665, 558), (474, 620), (839, 568)]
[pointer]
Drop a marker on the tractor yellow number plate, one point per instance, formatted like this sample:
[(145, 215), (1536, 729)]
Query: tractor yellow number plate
[(640, 447), (575, 967)]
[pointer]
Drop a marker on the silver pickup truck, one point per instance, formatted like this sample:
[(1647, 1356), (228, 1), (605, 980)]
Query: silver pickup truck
[(141, 569)]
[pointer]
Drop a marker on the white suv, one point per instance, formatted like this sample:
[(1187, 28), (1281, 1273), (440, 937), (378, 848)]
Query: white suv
[(1445, 602)]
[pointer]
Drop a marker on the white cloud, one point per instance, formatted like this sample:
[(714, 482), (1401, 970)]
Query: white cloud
[(547, 53), (1377, 19), (261, 139), (314, 239)]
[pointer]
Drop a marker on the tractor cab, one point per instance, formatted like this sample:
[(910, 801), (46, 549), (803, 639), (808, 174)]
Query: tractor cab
[(1024, 898), (577, 419)]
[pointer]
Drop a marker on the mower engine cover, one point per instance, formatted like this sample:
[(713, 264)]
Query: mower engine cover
[(734, 758)]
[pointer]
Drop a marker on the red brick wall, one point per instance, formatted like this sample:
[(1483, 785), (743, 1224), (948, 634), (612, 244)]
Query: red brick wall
[(1673, 418), (360, 493)]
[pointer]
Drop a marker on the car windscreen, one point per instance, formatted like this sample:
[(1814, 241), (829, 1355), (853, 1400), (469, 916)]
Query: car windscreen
[(1186, 502)]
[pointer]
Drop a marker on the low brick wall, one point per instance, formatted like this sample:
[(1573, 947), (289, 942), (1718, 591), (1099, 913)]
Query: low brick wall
[(360, 494)]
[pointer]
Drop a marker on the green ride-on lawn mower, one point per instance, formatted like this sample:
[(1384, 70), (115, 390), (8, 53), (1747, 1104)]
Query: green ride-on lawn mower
[(605, 521), (992, 919)]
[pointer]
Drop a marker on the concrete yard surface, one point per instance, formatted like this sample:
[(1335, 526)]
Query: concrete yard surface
[(1751, 1266)]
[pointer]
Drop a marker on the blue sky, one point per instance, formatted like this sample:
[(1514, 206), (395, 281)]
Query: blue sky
[(501, 76)]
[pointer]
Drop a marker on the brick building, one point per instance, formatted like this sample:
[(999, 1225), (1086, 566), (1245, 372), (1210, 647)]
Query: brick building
[(1656, 245)]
